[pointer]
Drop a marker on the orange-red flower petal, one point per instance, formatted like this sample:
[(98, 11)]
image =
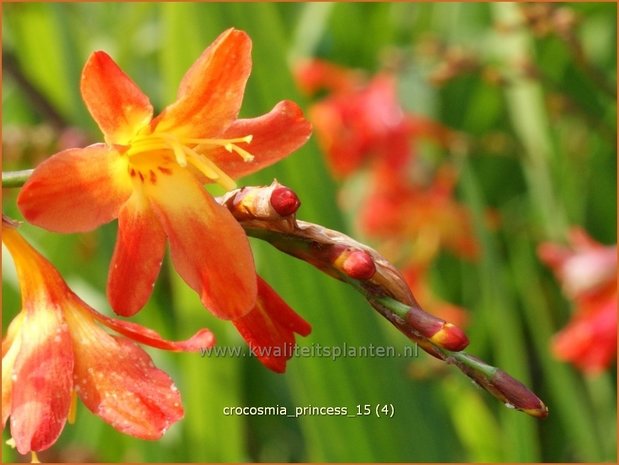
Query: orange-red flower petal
[(10, 349), (202, 339), (42, 371), (275, 135), (209, 248), (76, 190), (313, 75), (115, 102), (270, 327), (139, 251), (118, 381), (589, 340), (211, 92)]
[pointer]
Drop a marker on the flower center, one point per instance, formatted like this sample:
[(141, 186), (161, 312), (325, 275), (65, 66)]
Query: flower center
[(190, 151)]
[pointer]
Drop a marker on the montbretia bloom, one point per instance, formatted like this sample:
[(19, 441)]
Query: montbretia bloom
[(150, 172), (587, 272), (426, 218), (56, 348), (361, 121)]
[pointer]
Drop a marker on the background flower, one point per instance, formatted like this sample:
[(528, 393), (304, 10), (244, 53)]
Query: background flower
[(587, 272), (55, 350)]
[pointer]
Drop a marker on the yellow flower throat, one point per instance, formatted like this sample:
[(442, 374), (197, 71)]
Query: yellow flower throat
[(188, 151)]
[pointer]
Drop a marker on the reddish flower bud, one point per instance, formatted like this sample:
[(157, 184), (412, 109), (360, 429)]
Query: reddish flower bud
[(450, 337), (356, 263), (439, 332), (285, 201), (516, 395)]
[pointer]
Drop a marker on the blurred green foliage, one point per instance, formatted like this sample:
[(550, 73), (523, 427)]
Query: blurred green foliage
[(542, 154)]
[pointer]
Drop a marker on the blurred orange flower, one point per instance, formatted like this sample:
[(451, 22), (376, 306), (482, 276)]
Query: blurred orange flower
[(55, 349), (587, 272), (427, 218), (150, 172), (361, 121)]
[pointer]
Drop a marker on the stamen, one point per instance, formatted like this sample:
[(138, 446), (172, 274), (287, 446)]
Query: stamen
[(72, 408), (210, 170), (179, 154), (227, 144), (246, 139), (146, 144), (185, 154), (245, 155)]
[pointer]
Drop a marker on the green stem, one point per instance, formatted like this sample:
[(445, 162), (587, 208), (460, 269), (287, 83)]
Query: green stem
[(15, 178)]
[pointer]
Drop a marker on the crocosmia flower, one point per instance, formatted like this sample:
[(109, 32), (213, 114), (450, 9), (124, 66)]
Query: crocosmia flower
[(428, 218), (361, 121), (354, 127), (150, 172), (587, 271), (56, 348)]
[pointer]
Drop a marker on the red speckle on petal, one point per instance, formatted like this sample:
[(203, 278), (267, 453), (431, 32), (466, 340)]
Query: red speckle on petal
[(153, 177)]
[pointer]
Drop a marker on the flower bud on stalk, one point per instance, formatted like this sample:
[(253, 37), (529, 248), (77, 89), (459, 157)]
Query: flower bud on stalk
[(443, 334), (517, 395), (284, 201), (356, 263), (505, 388), (261, 211), (272, 202)]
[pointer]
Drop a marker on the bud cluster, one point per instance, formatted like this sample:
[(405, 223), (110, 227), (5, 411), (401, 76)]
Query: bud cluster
[(262, 213)]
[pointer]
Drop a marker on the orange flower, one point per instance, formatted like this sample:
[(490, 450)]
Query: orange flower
[(587, 271), (269, 328), (426, 218), (55, 349), (355, 127), (150, 171), (361, 120)]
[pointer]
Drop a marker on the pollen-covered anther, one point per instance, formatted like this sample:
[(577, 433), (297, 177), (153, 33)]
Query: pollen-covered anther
[(356, 263), (285, 201)]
